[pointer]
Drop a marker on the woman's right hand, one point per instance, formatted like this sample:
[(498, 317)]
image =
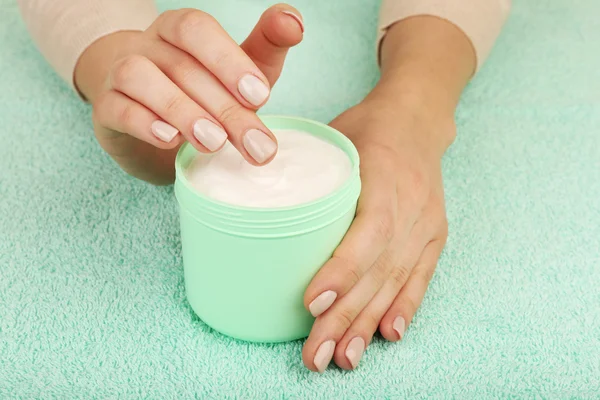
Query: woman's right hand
[(184, 78)]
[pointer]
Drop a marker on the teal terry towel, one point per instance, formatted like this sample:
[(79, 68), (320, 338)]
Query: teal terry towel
[(92, 300)]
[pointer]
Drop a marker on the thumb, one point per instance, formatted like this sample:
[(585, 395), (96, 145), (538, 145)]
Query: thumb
[(279, 28)]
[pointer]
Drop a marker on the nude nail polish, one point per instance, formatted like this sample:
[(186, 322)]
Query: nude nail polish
[(399, 326), (323, 301), (355, 350), (253, 89), (296, 17), (164, 131), (324, 355), (259, 145), (209, 134)]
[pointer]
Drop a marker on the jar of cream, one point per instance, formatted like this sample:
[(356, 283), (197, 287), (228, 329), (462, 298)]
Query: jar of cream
[(253, 237)]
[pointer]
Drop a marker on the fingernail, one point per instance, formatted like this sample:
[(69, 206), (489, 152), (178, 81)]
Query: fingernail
[(355, 350), (164, 131), (260, 146), (209, 134), (296, 17), (399, 326), (253, 89), (323, 301), (324, 355)]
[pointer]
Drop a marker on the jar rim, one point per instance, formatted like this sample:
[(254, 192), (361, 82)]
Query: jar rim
[(269, 120)]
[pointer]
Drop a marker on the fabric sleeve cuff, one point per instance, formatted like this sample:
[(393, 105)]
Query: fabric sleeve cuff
[(481, 20)]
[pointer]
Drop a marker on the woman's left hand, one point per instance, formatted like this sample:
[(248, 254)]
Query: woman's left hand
[(378, 275)]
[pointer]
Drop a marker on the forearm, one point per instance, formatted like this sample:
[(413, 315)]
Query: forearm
[(427, 61)]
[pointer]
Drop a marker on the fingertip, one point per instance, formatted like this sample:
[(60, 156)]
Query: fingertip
[(332, 282), (308, 359), (297, 18), (260, 145), (324, 355), (352, 352), (283, 26), (388, 333), (314, 289), (341, 358), (255, 90), (399, 326), (322, 303), (279, 28), (392, 327), (199, 147), (209, 134), (175, 142)]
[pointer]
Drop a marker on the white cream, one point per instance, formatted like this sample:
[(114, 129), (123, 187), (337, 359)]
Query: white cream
[(304, 169)]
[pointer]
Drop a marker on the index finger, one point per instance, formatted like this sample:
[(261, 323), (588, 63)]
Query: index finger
[(200, 35)]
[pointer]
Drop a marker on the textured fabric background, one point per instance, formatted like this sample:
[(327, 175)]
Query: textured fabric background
[(92, 300)]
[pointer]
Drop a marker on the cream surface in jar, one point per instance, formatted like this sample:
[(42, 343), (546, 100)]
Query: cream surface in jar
[(305, 168)]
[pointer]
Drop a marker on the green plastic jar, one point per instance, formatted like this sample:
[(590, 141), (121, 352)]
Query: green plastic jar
[(246, 269)]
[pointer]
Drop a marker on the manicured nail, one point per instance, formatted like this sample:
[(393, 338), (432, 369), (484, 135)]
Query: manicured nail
[(296, 17), (355, 350), (324, 355), (399, 326), (164, 131), (259, 145), (323, 301), (253, 89), (209, 134)]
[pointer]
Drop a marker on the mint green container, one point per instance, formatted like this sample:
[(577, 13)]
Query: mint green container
[(246, 269)]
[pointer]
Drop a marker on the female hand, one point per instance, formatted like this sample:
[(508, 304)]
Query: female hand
[(184, 78), (378, 275)]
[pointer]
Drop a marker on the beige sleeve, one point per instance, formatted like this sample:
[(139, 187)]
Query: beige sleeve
[(63, 29), (480, 20)]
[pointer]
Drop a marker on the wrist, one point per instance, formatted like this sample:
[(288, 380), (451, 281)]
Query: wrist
[(410, 88), (95, 62), (425, 64), (405, 123)]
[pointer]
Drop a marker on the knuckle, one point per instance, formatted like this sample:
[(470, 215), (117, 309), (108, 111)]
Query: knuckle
[(229, 113), (378, 275), (125, 69), (399, 275), (381, 271), (351, 271), (372, 321), (126, 115), (426, 274), (385, 228), (411, 305), (185, 69), (191, 22), (166, 15), (352, 275), (344, 318), (406, 306), (173, 104), (221, 59)]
